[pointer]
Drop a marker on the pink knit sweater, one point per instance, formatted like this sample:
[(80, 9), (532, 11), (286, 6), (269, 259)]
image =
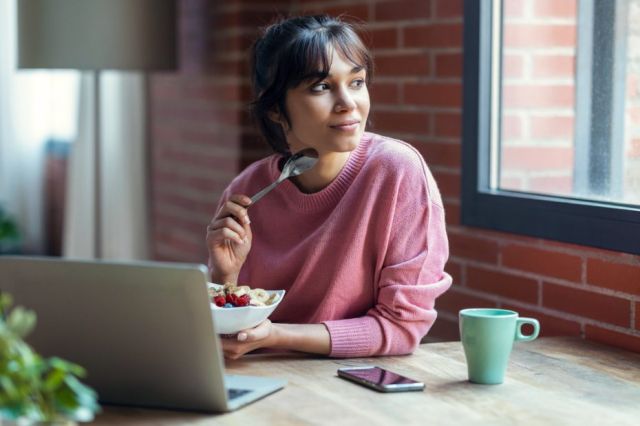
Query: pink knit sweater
[(364, 256)]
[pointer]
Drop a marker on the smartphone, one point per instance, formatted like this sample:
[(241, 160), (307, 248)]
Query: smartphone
[(379, 379)]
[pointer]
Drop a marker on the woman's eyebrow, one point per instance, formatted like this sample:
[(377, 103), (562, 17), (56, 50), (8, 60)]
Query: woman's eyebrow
[(354, 70), (319, 75)]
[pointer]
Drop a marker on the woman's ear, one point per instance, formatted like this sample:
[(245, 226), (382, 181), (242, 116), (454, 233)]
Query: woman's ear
[(275, 116)]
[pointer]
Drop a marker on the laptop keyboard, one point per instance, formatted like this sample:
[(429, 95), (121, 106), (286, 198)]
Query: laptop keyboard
[(234, 393)]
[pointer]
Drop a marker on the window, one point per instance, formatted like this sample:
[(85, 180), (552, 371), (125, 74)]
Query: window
[(551, 138)]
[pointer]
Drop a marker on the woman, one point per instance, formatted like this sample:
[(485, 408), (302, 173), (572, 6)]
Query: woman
[(358, 241)]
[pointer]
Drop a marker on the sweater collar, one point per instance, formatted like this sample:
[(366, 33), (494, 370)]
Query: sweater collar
[(331, 194)]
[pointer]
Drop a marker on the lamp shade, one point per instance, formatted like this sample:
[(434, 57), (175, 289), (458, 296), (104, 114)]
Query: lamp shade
[(97, 34)]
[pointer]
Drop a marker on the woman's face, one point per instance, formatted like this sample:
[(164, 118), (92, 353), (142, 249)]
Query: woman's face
[(329, 115)]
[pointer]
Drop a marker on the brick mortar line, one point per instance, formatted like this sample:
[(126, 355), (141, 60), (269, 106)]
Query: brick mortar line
[(584, 321), (399, 25), (537, 174), (541, 20), (222, 80), (231, 55), (165, 251), (187, 193), (526, 53), (186, 123), (501, 301), (476, 293), (390, 51), (211, 126), (190, 216), (188, 213), (227, 152), (527, 111), (193, 172), (630, 297), (541, 244), (412, 108), (540, 81), (189, 104), (445, 169), (452, 200), (169, 250), (209, 145), (247, 6), (437, 140), (206, 146), (559, 112), (192, 220), (427, 22), (232, 32), (416, 79), (531, 53)]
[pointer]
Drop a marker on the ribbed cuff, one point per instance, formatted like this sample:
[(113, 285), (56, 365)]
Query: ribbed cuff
[(354, 337)]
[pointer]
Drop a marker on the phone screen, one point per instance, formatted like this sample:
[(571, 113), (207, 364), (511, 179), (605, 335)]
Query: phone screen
[(380, 379)]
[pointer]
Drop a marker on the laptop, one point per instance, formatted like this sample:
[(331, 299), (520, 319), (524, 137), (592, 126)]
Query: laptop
[(143, 330)]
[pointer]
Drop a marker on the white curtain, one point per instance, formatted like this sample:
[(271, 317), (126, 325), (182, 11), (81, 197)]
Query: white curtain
[(34, 106), (123, 190)]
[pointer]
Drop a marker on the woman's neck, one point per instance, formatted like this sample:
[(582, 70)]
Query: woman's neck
[(323, 173)]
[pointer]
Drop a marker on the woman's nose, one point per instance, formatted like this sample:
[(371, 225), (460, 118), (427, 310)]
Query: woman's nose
[(345, 101)]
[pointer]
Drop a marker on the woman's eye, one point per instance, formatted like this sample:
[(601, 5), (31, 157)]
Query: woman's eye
[(319, 87), (358, 83)]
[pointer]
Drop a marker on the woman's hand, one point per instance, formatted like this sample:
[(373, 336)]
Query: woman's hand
[(311, 338), (263, 335), (229, 239)]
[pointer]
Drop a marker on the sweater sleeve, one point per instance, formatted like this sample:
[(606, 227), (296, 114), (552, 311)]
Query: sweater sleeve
[(411, 279)]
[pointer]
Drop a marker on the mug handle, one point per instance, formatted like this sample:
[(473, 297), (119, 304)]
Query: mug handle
[(522, 321)]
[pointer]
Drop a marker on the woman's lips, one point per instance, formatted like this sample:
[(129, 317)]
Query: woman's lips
[(347, 127)]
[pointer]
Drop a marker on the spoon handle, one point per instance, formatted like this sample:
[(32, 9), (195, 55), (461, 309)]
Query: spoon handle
[(264, 191)]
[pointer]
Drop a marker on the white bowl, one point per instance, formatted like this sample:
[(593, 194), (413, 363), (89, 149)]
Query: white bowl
[(233, 320)]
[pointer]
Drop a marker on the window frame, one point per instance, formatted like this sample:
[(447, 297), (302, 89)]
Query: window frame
[(605, 225)]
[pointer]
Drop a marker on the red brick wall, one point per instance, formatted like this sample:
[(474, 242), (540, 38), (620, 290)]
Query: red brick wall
[(537, 145), (201, 138)]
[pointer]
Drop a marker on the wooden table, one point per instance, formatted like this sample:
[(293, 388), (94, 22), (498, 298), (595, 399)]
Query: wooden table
[(550, 381)]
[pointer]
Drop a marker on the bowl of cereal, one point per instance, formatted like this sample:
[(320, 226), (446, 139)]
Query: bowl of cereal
[(236, 308)]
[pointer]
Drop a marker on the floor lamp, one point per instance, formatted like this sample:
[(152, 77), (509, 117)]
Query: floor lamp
[(97, 35)]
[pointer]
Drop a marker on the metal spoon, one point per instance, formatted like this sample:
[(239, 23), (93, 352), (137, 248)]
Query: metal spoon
[(297, 164)]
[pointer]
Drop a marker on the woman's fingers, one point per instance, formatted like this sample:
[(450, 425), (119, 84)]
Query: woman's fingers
[(240, 199), (236, 207), (220, 235), (229, 223), (246, 340), (232, 221), (233, 349), (259, 332)]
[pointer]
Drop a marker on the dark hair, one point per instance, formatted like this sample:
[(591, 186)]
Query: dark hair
[(288, 53)]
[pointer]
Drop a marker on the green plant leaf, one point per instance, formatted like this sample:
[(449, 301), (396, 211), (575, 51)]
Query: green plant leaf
[(8, 388), (21, 321), (84, 393), (76, 400), (67, 366), (6, 300), (11, 412), (53, 380), (32, 387)]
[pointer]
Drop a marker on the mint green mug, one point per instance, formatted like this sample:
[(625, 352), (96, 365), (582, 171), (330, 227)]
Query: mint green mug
[(487, 338)]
